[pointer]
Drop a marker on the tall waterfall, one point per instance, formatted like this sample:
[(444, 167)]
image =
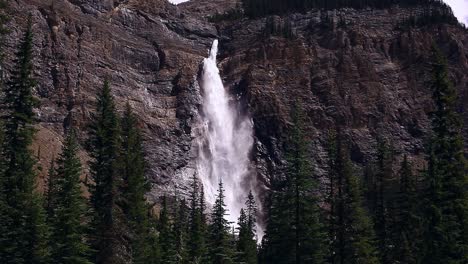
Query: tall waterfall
[(225, 143)]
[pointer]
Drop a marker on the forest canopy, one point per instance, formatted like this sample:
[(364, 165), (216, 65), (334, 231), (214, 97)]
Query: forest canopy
[(258, 8)]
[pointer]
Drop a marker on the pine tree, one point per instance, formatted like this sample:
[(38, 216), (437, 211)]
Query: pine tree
[(446, 228), (382, 201), (134, 188), (299, 228), (108, 222), (407, 224), (219, 237), (180, 229), (354, 242), (330, 198), (51, 190), (68, 222), (276, 239), (197, 233), (24, 239), (166, 236), (246, 243)]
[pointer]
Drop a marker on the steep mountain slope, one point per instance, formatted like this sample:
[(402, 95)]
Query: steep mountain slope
[(361, 70)]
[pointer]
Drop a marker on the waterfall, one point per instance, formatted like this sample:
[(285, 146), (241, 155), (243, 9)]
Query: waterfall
[(226, 142)]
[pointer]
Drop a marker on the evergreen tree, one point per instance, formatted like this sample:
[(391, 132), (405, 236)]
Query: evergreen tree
[(166, 236), (354, 242), (68, 211), (134, 188), (446, 228), (247, 244), (219, 237), (154, 256), (296, 234), (24, 239), (197, 233), (406, 226), (108, 222), (51, 190), (180, 229), (276, 243), (382, 200)]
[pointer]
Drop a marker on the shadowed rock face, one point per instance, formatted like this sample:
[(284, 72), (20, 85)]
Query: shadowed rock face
[(362, 74)]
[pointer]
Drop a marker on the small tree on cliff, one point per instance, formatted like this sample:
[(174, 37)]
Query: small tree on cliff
[(108, 221), (67, 213), (24, 239)]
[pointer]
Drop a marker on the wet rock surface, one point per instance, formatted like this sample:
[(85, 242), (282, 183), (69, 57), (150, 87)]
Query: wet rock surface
[(354, 69)]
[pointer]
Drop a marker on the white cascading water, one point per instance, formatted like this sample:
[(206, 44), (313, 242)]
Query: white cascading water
[(225, 144)]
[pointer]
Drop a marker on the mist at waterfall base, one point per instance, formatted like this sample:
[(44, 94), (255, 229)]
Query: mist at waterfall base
[(225, 143)]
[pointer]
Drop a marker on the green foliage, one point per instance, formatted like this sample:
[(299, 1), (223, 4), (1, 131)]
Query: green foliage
[(220, 251), (295, 233), (134, 188), (180, 229), (197, 230), (247, 243), (382, 199), (446, 227), (108, 221), (24, 231), (259, 8), (68, 209), (406, 231), (430, 15), (354, 240), (166, 236)]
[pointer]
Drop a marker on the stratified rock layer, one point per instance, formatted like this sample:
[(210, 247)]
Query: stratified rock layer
[(357, 70)]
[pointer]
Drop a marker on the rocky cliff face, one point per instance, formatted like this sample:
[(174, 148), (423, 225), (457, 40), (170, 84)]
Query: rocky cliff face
[(359, 70)]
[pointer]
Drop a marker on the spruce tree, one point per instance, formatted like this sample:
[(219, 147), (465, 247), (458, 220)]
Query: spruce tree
[(382, 200), (24, 239), (355, 238), (446, 227), (197, 230), (300, 231), (51, 190), (275, 243), (68, 212), (180, 228), (219, 232), (407, 223), (166, 236), (108, 221), (246, 243), (134, 188)]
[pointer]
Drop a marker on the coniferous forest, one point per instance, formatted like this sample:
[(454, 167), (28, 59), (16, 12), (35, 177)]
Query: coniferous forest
[(389, 213)]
